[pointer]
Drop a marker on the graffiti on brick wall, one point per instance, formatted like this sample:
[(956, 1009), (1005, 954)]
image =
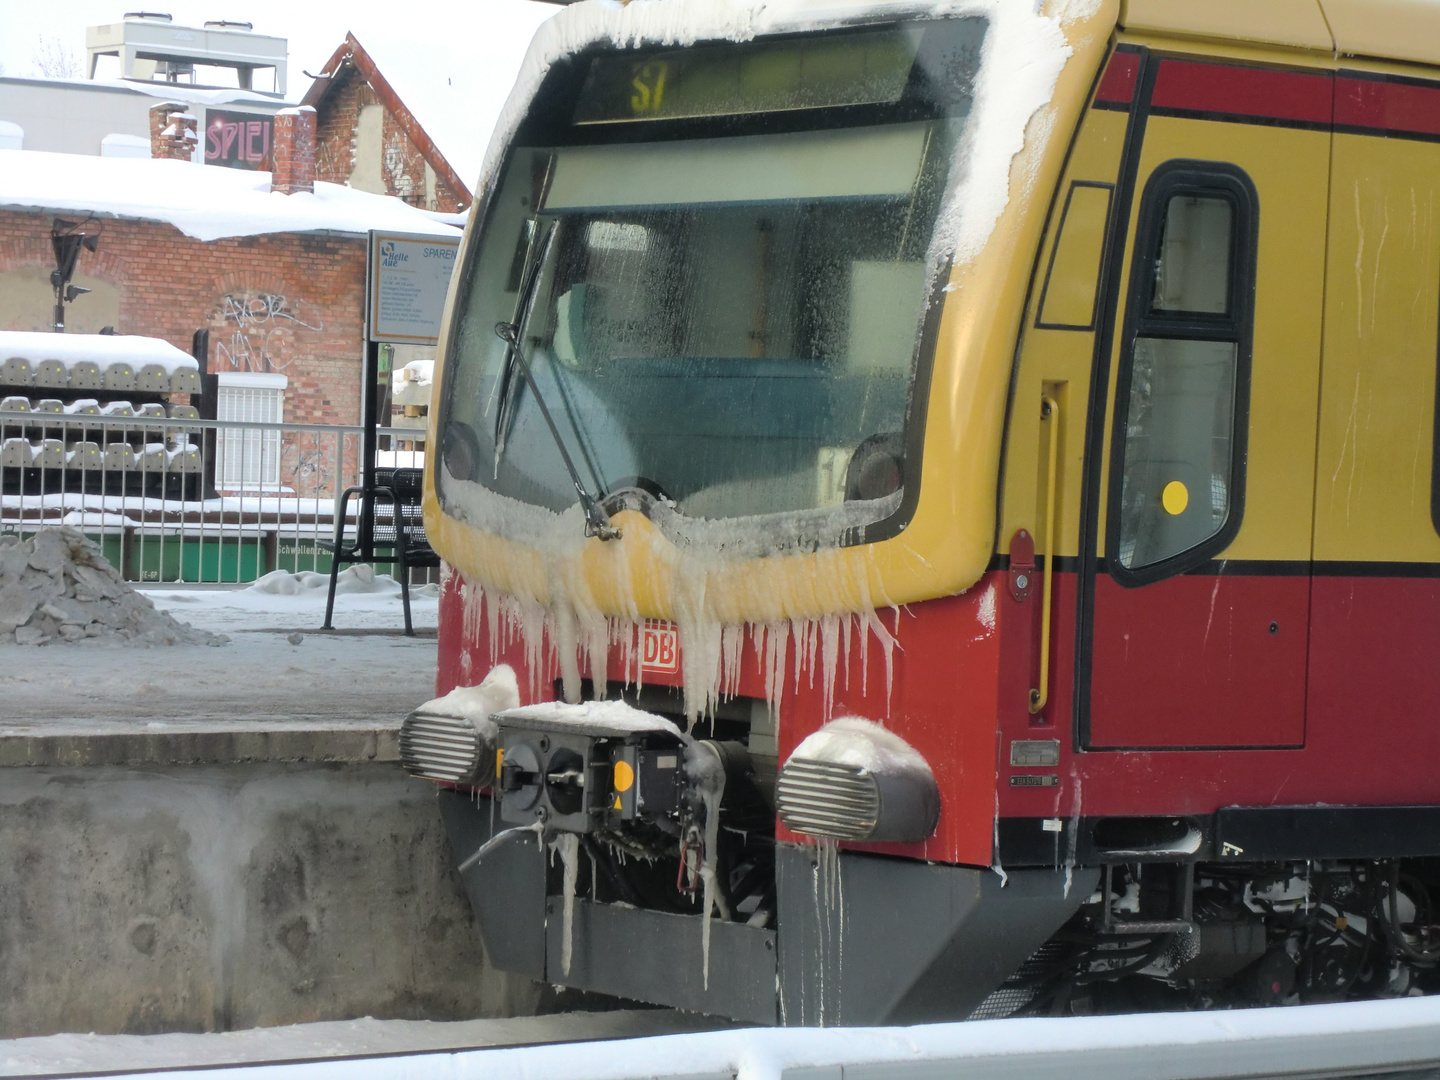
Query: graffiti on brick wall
[(397, 166), (261, 331)]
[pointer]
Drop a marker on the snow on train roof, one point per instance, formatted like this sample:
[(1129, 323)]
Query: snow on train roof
[(202, 201), (1025, 49), (103, 349)]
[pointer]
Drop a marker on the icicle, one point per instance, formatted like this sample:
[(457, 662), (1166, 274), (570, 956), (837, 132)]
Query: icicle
[(1074, 834), (829, 658), (472, 603), (707, 771), (567, 649), (707, 867), (537, 827), (629, 634), (816, 875), (560, 627), (829, 915), (732, 641), (812, 640), (828, 851), (839, 895), (492, 626), (889, 645), (777, 643), (567, 845), (1004, 877), (799, 630)]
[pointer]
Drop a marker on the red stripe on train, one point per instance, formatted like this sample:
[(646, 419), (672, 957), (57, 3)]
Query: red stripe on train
[(1387, 106), (1117, 85), (1317, 98), (1242, 91)]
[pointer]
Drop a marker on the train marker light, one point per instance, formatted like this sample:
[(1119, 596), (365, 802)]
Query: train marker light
[(1175, 498), (624, 775)]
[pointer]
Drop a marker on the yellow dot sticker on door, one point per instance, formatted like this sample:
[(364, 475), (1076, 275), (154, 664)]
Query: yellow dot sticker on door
[(624, 775), (1175, 497)]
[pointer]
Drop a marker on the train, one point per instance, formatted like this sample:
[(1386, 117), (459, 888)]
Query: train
[(940, 509)]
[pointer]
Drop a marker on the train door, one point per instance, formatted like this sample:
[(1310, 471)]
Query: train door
[(1375, 626), (1194, 592)]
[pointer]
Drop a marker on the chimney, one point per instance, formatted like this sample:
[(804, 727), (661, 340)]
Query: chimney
[(174, 132), (293, 145)]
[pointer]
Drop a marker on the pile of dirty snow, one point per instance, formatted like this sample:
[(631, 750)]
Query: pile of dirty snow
[(57, 587)]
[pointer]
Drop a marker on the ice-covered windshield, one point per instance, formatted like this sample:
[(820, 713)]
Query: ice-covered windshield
[(728, 321)]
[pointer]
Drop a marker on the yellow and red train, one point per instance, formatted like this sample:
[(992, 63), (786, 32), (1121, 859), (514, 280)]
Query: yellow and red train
[(958, 495)]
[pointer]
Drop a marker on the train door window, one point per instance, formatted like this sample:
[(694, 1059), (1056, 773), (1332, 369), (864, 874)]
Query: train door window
[(1177, 489)]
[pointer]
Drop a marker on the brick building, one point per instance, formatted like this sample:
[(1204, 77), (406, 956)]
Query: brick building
[(277, 279), (368, 138)]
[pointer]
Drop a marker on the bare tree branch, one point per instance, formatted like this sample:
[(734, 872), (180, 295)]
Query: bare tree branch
[(53, 60)]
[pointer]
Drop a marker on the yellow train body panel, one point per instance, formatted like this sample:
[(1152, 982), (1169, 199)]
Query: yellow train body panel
[(1376, 448)]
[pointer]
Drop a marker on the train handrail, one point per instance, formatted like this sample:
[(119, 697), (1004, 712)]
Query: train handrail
[(1049, 410)]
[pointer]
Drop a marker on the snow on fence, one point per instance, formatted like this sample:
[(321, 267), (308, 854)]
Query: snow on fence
[(171, 497)]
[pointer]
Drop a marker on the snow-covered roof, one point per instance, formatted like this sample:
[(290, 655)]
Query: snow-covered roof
[(164, 91), (103, 349), (351, 55), (453, 83), (202, 201)]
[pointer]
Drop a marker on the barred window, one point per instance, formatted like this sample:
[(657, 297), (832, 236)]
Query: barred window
[(249, 457)]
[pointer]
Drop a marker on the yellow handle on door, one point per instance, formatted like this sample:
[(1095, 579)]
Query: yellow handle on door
[(1050, 411)]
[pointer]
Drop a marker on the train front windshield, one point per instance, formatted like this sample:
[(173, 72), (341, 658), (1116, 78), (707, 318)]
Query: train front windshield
[(716, 272)]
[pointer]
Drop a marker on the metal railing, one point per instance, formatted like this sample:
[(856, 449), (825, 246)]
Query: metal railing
[(1378, 1040), (176, 498)]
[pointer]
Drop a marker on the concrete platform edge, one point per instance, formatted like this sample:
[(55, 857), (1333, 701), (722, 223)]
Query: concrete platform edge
[(135, 746)]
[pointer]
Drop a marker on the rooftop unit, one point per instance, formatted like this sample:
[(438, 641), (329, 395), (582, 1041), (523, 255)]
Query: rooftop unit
[(149, 44)]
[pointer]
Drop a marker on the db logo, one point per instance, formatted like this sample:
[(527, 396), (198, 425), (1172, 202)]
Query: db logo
[(659, 648)]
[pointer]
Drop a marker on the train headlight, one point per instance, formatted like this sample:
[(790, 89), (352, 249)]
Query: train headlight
[(853, 780), (438, 746), (453, 739)]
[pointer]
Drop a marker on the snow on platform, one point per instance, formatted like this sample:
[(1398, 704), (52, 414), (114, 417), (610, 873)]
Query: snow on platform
[(366, 672), (204, 202)]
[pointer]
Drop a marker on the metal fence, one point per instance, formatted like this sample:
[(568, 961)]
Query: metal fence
[(170, 497)]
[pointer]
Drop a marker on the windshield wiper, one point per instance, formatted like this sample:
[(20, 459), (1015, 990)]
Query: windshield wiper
[(597, 522), (537, 250)]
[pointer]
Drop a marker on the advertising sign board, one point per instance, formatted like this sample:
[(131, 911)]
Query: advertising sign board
[(238, 140), (408, 278)]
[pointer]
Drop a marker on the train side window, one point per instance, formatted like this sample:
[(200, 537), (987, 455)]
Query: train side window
[(1178, 470), (1192, 268), (1067, 297)]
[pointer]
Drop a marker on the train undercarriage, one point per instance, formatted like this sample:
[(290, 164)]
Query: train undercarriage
[(615, 851)]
